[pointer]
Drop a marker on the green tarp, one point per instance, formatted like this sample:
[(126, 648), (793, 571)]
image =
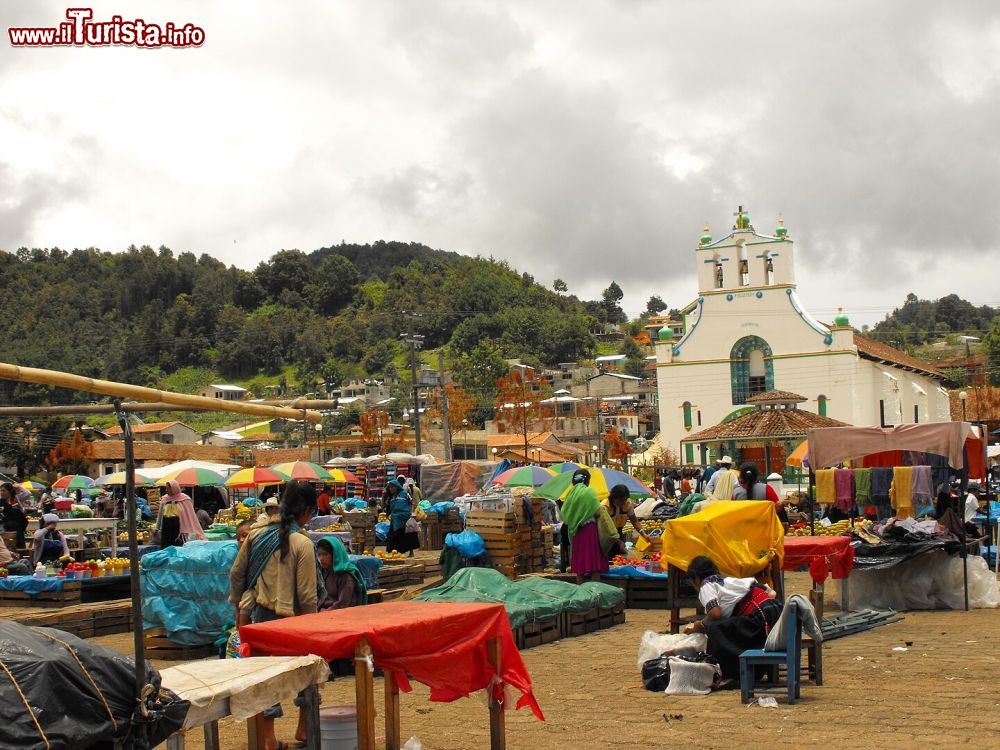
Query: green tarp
[(528, 600)]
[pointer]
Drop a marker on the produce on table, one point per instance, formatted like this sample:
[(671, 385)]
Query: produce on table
[(333, 527), (834, 529)]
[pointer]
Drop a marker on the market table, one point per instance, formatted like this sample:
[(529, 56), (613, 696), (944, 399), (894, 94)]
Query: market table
[(92, 524), (241, 688), (455, 649)]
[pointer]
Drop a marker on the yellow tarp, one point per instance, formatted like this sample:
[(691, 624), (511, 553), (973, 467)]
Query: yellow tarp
[(741, 537)]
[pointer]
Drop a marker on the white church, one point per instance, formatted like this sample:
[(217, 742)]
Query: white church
[(749, 333)]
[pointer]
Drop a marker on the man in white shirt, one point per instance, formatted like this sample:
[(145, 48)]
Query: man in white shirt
[(972, 502)]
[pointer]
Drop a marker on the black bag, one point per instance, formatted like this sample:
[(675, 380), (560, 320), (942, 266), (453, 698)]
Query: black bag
[(76, 693), (656, 672)]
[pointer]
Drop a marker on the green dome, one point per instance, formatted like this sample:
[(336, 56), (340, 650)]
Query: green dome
[(781, 231), (841, 319), (706, 238), (665, 334)]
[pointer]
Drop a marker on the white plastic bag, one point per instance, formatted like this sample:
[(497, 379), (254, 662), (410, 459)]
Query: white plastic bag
[(413, 744), (691, 678), (653, 645)]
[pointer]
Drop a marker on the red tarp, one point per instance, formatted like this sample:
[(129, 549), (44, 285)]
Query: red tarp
[(442, 645), (823, 555)]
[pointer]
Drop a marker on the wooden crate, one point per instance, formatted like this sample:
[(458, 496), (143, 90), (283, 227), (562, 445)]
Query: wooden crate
[(158, 646), (484, 521), (647, 593), (392, 576), (608, 617), (415, 574), (70, 594), (540, 632), (580, 623), (431, 533)]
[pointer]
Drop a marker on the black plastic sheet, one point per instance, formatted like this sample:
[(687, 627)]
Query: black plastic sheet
[(58, 691)]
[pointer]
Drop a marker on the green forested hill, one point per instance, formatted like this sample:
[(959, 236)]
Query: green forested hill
[(144, 314)]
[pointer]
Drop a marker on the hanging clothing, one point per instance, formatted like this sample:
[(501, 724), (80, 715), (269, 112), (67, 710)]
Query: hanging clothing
[(862, 487), (923, 485), (881, 482), (843, 481), (901, 491), (826, 489)]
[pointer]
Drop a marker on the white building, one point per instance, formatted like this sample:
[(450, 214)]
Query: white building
[(747, 332), (225, 392)]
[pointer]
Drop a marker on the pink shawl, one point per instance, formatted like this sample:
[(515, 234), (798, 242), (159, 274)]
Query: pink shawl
[(190, 528)]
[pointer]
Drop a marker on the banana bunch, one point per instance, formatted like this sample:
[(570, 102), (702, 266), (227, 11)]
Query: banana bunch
[(651, 525), (243, 512), (834, 529)]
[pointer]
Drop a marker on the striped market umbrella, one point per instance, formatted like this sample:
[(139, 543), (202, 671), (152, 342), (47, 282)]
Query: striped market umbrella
[(601, 482), (194, 477), (73, 482), (525, 476), (305, 471), (118, 478), (31, 486), (256, 476), (342, 476), (567, 466)]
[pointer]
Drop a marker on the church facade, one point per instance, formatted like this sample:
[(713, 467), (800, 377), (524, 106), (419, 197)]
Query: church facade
[(748, 332)]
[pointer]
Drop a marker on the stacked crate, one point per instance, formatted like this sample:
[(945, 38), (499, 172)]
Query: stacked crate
[(451, 522), (362, 530), (505, 540), (431, 532)]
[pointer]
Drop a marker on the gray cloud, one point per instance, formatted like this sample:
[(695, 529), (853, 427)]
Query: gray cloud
[(589, 141)]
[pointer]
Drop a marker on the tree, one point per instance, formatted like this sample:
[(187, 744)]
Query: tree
[(335, 285), (519, 405), (478, 372), (461, 404), (611, 300), (72, 456), (618, 447), (560, 286), (991, 345), (286, 270), (635, 359), (374, 425), (655, 305)]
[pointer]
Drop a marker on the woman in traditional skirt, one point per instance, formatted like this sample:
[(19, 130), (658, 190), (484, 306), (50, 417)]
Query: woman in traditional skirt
[(588, 527), (739, 613)]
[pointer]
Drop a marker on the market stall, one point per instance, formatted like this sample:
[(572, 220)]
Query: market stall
[(897, 470), (242, 689), (455, 649), (743, 538)]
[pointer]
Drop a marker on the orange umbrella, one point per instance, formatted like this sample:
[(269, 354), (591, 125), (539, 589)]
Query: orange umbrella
[(800, 455)]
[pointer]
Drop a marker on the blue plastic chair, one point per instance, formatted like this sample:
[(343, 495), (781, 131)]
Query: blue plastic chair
[(790, 658)]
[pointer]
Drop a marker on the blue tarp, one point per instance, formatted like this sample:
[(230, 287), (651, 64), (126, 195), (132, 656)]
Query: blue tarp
[(468, 543), (32, 585), (631, 571), (382, 531), (186, 591)]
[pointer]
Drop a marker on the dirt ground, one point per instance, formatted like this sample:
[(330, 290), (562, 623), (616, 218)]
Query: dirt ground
[(939, 692)]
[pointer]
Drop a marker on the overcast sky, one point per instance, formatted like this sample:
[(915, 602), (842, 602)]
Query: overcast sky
[(584, 139)]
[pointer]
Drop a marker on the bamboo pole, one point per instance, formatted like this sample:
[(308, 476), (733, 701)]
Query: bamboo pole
[(125, 390), (139, 407)]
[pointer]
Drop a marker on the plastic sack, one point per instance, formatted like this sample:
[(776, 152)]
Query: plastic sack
[(653, 645), (382, 531), (74, 687), (413, 743), (930, 581), (691, 678), (656, 674), (468, 543)]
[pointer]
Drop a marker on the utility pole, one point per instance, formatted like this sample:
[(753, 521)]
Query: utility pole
[(415, 341), (444, 409)]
